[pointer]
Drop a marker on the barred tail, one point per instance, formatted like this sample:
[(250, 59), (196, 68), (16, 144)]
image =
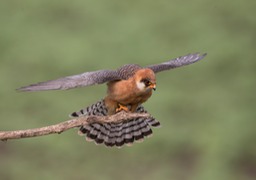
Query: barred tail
[(116, 134)]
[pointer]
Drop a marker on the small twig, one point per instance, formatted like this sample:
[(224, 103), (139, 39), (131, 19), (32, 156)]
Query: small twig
[(66, 125)]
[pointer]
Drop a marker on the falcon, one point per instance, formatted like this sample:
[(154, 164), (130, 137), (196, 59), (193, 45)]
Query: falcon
[(127, 88)]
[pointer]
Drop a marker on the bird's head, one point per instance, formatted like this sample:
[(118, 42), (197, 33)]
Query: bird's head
[(145, 80)]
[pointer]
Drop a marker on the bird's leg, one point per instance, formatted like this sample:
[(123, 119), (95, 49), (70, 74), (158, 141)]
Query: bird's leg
[(134, 107), (122, 107)]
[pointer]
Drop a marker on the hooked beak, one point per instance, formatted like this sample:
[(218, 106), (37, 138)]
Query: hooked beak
[(153, 86)]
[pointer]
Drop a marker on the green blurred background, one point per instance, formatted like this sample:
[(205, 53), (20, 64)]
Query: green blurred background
[(207, 110)]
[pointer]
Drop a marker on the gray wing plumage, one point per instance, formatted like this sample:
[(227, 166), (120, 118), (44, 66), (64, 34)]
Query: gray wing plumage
[(80, 80), (177, 62), (102, 76)]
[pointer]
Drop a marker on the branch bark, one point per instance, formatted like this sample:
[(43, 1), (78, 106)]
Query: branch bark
[(66, 125)]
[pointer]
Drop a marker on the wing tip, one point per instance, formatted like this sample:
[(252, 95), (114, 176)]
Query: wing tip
[(21, 89), (201, 56), (29, 89), (194, 57), (24, 89), (38, 87)]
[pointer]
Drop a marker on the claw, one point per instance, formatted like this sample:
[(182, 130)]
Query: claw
[(122, 107)]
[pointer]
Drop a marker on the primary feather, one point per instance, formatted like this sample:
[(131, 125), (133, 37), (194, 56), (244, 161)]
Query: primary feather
[(177, 62), (103, 76), (80, 80)]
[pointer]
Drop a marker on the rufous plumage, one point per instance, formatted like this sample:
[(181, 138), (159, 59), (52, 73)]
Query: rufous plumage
[(127, 88)]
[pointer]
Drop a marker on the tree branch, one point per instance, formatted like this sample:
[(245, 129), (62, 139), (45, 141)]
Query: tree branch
[(66, 125)]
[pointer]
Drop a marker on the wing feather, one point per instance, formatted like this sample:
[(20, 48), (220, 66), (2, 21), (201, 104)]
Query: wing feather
[(177, 62), (102, 76), (80, 80)]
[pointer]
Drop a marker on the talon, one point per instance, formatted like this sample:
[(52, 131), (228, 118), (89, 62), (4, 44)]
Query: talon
[(122, 107)]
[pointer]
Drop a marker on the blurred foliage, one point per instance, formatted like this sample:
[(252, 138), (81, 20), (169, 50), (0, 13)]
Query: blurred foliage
[(207, 109)]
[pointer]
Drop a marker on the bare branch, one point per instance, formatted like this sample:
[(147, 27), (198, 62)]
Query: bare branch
[(66, 125)]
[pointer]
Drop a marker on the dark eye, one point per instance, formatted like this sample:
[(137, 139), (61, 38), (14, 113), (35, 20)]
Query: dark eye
[(146, 82)]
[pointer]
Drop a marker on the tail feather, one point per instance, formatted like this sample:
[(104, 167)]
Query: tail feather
[(116, 134), (153, 122)]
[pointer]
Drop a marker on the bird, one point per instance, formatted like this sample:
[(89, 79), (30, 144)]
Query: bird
[(128, 87)]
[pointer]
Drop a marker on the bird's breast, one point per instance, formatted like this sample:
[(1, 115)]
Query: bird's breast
[(126, 92)]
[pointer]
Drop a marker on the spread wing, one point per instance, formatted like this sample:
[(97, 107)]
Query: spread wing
[(177, 62), (80, 80)]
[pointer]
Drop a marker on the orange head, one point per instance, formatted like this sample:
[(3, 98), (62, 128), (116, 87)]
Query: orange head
[(145, 79)]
